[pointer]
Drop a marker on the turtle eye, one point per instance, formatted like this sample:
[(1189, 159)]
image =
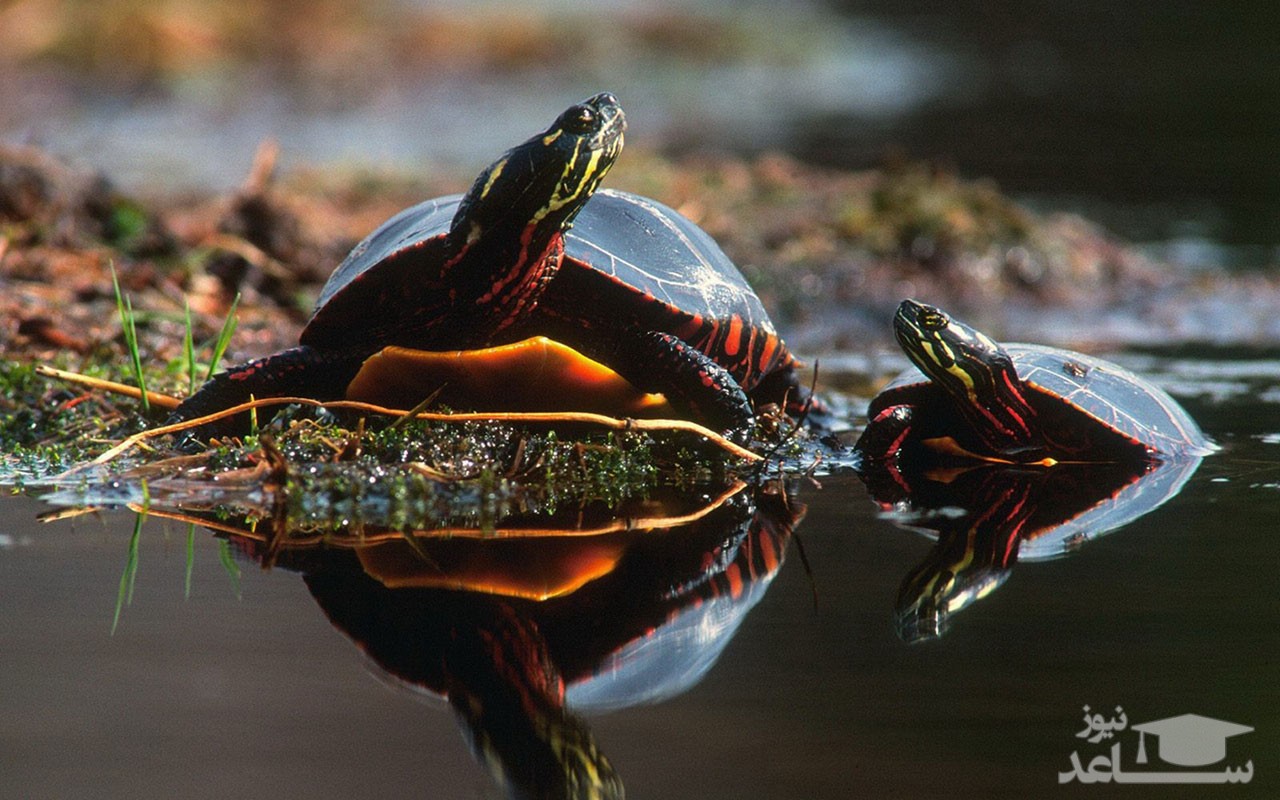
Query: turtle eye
[(934, 320), (580, 119)]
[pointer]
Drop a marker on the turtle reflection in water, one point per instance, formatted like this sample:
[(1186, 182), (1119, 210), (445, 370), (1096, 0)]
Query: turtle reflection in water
[(521, 629), (987, 517), (1008, 452)]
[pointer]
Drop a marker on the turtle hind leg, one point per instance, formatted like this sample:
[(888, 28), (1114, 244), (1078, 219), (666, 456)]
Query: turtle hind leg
[(662, 362), (302, 371)]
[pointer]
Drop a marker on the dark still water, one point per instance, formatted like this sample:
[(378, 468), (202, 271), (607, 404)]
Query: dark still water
[(247, 689)]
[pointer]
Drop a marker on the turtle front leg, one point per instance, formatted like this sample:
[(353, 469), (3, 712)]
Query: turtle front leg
[(879, 447), (656, 361), (883, 437)]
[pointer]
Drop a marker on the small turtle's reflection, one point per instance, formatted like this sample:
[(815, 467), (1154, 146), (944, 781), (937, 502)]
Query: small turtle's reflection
[(985, 517)]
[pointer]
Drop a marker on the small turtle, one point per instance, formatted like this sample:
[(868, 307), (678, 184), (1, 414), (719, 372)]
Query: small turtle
[(1020, 403)]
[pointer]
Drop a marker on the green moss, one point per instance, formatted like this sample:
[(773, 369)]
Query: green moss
[(44, 428), (433, 474)]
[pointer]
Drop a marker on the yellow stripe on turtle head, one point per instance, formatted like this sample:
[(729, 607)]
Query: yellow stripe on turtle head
[(939, 352), (986, 341), (943, 357), (591, 177), (494, 172)]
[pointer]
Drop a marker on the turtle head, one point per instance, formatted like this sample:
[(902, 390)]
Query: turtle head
[(977, 373), (533, 192)]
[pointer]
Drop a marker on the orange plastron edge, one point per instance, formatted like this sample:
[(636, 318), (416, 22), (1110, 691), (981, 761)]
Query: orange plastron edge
[(536, 374)]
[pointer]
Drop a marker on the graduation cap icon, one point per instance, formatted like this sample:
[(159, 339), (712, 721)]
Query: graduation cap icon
[(1188, 740)]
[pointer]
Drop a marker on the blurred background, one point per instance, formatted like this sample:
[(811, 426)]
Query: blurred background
[(1161, 120)]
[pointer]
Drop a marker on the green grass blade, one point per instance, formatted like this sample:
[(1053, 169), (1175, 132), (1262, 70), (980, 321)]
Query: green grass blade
[(127, 578), (189, 350), (135, 357), (224, 337), (229, 564), (125, 308)]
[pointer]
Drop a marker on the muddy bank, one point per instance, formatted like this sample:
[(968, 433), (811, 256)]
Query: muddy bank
[(830, 252)]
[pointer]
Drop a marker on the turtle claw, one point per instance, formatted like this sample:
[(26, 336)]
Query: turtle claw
[(303, 371)]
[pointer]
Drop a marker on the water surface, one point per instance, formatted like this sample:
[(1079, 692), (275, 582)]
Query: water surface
[(245, 689)]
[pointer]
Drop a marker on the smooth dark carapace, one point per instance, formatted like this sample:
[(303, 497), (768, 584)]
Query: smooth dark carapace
[(638, 288), (646, 292), (460, 286), (649, 293), (1018, 403)]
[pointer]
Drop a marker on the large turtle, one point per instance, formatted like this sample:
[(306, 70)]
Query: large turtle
[(457, 288), (646, 292), (639, 288)]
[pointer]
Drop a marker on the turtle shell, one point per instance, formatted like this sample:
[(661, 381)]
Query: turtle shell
[(1093, 391), (401, 377), (630, 263), (402, 233), (405, 250), (634, 264), (658, 252)]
